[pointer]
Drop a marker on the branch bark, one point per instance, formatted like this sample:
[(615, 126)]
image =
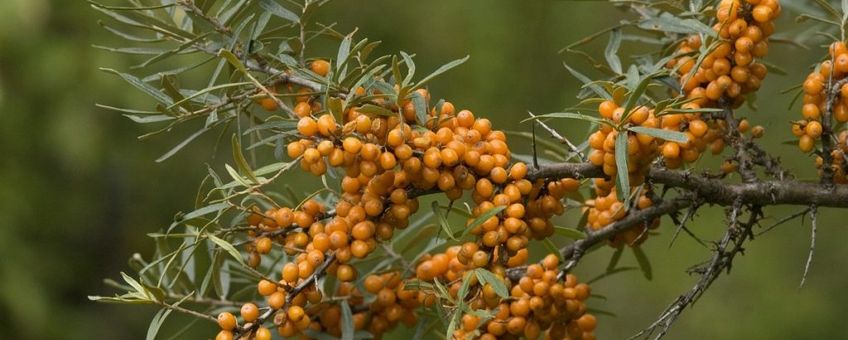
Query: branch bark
[(714, 191)]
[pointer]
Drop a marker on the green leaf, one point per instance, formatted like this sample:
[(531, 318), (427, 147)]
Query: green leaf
[(140, 293), (149, 119), (410, 69), (183, 48), (588, 82), (621, 165), (420, 105), (829, 8), (482, 218), (635, 94), (182, 144), (444, 68), (235, 175), (278, 10), (344, 51), (343, 54), (228, 247), (420, 329), (610, 273), (569, 115), (569, 232), (669, 23), (611, 51), (207, 90), (614, 259), (241, 162), (144, 87), (206, 210), (376, 110), (443, 221), (643, 261), (157, 322), (669, 135), (232, 59), (487, 277), (132, 8), (552, 248), (460, 304), (347, 321), (172, 89)]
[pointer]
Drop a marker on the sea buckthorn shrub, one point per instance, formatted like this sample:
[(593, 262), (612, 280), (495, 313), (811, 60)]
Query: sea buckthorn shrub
[(428, 216)]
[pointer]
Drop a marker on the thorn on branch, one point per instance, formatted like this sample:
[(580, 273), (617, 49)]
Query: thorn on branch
[(813, 213), (574, 149)]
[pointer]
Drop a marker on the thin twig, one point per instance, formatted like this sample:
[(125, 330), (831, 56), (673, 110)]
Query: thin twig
[(186, 311), (784, 220), (682, 224), (812, 245), (555, 134)]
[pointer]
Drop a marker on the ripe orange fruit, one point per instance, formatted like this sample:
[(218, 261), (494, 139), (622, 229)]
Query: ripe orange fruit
[(320, 66), (227, 321), (249, 312)]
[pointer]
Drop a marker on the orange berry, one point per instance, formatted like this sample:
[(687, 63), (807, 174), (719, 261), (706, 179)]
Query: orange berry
[(249, 312), (302, 109), (262, 334), (352, 145), (587, 322), (295, 313), (307, 126), (277, 300), (698, 128), (518, 171), (813, 129), (671, 150), (346, 273), (606, 109), (266, 287), (321, 67), (227, 321), (806, 143), (224, 335), (762, 13), (295, 149)]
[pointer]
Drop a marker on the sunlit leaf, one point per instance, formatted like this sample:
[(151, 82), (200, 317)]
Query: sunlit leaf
[(278, 10), (644, 263)]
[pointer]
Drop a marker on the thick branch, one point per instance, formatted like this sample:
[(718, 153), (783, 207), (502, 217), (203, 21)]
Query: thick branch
[(715, 191)]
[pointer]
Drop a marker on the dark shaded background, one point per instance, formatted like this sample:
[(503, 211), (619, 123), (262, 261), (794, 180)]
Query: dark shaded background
[(78, 191)]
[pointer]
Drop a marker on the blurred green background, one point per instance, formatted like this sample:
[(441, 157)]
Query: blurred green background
[(78, 192)]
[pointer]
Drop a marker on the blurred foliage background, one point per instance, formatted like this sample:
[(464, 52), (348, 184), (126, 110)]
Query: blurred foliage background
[(79, 192)]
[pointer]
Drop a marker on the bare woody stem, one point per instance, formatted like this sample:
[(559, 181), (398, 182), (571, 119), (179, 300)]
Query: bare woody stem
[(714, 191)]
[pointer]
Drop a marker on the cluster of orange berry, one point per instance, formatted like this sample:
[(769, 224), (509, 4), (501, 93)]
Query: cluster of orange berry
[(284, 226), (538, 303), (728, 72), (386, 159), (730, 69), (817, 88), (606, 208), (828, 81), (840, 171), (303, 106), (642, 150)]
